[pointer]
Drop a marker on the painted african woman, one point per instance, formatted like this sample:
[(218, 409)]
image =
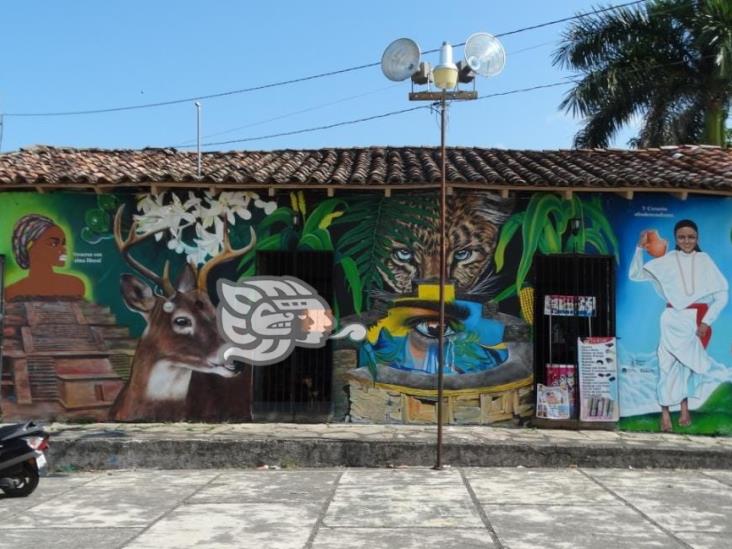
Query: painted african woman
[(695, 292), (39, 245)]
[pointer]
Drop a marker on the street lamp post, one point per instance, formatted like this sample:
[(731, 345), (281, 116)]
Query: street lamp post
[(484, 55)]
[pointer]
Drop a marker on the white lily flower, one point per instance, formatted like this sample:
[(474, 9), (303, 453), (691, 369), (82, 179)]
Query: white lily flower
[(210, 244), (267, 205)]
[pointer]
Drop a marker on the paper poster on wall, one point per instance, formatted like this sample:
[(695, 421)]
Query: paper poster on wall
[(564, 376), (570, 305), (598, 378), (552, 402)]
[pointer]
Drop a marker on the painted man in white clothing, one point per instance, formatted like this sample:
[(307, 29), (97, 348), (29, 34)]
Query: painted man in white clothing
[(695, 292)]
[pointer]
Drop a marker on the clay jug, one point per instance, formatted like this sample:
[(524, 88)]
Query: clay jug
[(655, 245)]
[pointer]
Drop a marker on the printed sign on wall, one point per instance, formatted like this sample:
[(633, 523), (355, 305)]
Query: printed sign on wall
[(598, 379)]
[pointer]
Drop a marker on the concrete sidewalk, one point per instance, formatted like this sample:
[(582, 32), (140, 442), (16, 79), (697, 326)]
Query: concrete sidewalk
[(405, 508), (201, 446)]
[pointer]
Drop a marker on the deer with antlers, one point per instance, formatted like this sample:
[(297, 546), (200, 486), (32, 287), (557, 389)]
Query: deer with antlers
[(177, 373)]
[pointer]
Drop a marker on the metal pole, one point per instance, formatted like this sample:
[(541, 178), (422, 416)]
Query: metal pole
[(443, 277), (198, 138)]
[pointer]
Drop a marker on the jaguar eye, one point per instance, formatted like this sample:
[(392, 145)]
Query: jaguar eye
[(182, 322), (402, 254), (463, 255)]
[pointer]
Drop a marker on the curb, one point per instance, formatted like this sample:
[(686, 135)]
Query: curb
[(110, 453)]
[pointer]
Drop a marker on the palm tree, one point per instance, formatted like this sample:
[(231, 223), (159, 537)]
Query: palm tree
[(669, 61)]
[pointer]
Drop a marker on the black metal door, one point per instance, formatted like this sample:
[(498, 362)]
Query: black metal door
[(299, 388), (555, 337)]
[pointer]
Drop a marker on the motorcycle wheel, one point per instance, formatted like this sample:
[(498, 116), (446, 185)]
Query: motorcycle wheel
[(26, 479)]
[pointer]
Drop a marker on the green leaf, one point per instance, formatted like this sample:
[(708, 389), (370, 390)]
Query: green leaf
[(506, 293), (318, 214), (318, 240), (282, 215), (600, 222), (537, 215), (595, 239), (551, 240), (507, 231), (350, 270), (356, 248), (358, 234)]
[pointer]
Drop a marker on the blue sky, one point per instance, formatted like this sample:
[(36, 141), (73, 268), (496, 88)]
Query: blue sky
[(62, 56)]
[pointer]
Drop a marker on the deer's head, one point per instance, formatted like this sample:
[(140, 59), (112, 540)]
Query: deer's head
[(181, 327), (181, 320)]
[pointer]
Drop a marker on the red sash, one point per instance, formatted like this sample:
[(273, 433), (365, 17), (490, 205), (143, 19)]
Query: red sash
[(701, 310)]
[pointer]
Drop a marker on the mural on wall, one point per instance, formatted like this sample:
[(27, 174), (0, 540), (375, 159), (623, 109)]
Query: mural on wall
[(39, 246), (72, 322), (131, 332), (674, 342)]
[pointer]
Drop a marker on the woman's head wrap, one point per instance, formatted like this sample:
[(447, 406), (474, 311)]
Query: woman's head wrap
[(687, 223), (27, 230)]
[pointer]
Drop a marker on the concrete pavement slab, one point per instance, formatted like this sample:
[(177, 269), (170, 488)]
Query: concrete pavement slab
[(399, 499), (705, 540), (399, 477), (124, 500), (227, 525), (268, 486), (721, 476), (569, 526), (78, 538), (688, 501), (536, 487), (48, 488), (402, 538)]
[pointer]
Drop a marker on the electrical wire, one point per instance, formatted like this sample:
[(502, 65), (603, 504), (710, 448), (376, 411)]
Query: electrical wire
[(297, 80), (189, 142), (292, 113), (366, 119), (567, 81), (314, 129)]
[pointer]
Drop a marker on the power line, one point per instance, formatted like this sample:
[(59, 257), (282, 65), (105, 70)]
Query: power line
[(317, 128), (297, 80), (188, 142), (294, 113), (568, 80), (366, 119)]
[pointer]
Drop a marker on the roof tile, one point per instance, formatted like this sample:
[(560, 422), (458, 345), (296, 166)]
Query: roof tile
[(679, 167)]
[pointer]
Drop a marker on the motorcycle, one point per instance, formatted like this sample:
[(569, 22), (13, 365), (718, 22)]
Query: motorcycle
[(22, 458)]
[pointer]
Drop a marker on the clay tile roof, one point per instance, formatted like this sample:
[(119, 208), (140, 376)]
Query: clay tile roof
[(688, 168)]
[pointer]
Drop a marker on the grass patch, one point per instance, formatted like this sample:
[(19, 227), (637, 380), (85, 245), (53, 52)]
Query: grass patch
[(714, 417)]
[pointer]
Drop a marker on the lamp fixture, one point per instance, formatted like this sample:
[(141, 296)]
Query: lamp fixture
[(445, 75), (484, 56)]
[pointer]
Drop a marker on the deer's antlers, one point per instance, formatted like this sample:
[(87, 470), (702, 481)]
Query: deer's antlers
[(124, 245), (227, 254)]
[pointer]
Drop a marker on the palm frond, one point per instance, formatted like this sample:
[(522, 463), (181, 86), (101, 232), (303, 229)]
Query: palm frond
[(669, 61)]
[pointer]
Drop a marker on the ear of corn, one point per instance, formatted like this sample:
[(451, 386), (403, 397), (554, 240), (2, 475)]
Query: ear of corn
[(526, 298)]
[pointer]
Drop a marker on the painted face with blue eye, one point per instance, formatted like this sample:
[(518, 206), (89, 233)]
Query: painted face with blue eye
[(472, 344), (462, 255), (402, 254)]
